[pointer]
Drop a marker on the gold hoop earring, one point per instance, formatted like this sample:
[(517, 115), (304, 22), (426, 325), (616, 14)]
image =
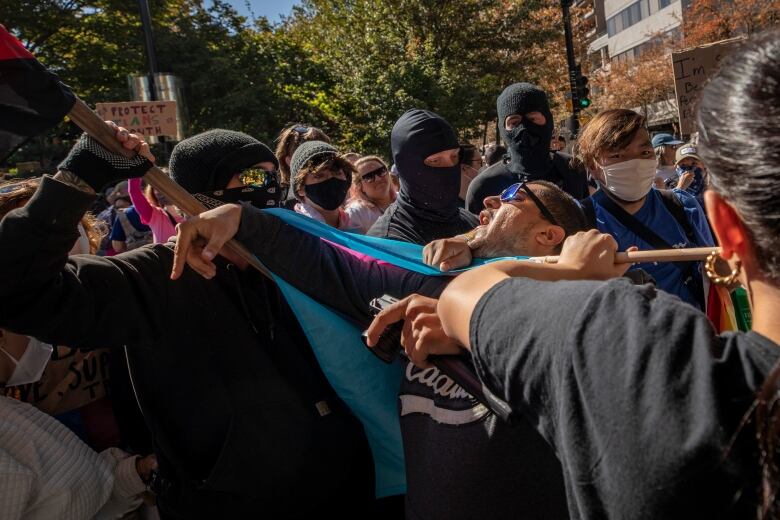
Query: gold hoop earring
[(712, 274)]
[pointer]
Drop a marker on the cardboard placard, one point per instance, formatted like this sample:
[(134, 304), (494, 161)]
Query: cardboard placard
[(146, 118), (72, 379), (692, 68)]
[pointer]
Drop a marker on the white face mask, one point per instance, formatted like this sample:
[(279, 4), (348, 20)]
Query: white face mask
[(629, 180), (30, 366)]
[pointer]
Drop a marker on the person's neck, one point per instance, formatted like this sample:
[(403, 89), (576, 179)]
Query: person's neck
[(382, 203), (766, 308), (331, 217), (629, 207)]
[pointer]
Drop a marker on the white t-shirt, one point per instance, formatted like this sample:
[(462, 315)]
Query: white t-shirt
[(362, 214)]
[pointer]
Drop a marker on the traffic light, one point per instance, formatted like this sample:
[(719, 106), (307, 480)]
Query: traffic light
[(583, 92)]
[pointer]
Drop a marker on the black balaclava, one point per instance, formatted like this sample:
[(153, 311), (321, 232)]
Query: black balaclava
[(528, 143), (204, 164), (424, 189)]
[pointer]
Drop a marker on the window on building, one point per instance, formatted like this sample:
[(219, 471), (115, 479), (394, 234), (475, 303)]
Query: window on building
[(663, 3)]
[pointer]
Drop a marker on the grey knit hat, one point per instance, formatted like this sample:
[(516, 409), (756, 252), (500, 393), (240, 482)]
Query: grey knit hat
[(311, 151), (206, 162)]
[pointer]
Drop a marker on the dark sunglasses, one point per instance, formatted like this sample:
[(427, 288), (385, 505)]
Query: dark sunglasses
[(374, 174), (257, 177), (511, 192)]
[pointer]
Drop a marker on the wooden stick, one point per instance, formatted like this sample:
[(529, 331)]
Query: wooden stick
[(654, 255), (91, 123)]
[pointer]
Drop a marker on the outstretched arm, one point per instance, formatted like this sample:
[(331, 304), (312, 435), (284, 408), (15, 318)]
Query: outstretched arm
[(331, 275), (140, 203)]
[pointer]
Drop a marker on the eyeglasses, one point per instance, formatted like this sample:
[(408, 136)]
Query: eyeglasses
[(257, 176), (374, 175), (511, 193), (301, 129)]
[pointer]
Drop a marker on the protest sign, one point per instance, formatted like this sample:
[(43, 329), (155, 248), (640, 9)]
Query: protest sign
[(72, 379), (146, 118), (692, 67)]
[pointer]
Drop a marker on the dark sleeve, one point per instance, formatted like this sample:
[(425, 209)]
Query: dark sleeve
[(379, 228), (618, 378), (117, 231), (84, 301), (329, 274)]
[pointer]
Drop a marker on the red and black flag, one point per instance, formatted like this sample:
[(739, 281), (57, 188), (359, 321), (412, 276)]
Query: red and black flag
[(32, 99)]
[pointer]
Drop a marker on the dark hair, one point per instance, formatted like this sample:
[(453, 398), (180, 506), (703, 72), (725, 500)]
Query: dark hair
[(738, 117), (494, 154), (337, 162), (289, 140), (563, 207), (740, 143)]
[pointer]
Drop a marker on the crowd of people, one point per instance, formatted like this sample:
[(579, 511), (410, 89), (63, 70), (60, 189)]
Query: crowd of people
[(627, 399)]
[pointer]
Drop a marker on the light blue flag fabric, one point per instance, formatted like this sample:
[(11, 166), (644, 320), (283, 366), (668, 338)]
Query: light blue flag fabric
[(367, 386)]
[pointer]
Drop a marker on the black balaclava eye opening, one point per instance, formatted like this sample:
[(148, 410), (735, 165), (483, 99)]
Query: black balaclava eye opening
[(204, 164), (528, 143), (425, 189)]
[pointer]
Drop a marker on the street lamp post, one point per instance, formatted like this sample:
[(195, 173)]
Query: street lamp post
[(146, 23), (572, 66)]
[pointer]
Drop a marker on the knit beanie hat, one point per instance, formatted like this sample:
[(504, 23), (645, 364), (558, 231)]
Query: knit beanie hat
[(206, 162), (521, 98), (317, 151)]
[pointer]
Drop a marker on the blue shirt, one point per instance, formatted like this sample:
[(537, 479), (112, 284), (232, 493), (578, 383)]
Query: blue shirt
[(118, 232), (657, 218)]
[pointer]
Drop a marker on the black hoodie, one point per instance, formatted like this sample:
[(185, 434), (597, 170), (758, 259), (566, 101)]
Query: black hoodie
[(529, 150), (427, 203)]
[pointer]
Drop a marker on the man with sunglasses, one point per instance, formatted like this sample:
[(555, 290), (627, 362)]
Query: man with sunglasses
[(520, 221), (461, 460), (243, 421)]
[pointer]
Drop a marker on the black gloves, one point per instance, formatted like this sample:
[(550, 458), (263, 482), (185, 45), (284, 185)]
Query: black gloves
[(97, 166)]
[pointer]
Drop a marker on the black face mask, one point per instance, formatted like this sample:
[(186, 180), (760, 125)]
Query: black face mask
[(415, 136), (528, 143), (329, 194), (262, 196), (265, 197)]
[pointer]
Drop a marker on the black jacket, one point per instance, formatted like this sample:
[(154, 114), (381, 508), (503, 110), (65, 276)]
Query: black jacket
[(481, 468), (226, 380), (498, 177)]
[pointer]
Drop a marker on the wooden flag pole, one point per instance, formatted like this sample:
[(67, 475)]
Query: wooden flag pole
[(91, 123), (654, 255)]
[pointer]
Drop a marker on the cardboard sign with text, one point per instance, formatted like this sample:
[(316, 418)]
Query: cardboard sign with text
[(692, 68), (72, 379), (145, 118)]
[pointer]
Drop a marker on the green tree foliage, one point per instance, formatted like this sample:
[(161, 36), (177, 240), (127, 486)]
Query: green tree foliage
[(386, 56), (249, 78), (349, 66)]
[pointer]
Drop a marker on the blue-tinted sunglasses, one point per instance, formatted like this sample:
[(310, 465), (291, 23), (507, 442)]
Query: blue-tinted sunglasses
[(511, 193)]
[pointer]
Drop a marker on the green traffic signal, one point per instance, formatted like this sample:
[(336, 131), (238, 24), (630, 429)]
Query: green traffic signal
[(584, 102)]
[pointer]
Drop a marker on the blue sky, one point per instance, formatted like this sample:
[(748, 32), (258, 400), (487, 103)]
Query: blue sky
[(271, 9)]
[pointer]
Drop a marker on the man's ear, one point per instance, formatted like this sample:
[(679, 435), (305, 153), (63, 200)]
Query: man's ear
[(732, 235), (550, 236)]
